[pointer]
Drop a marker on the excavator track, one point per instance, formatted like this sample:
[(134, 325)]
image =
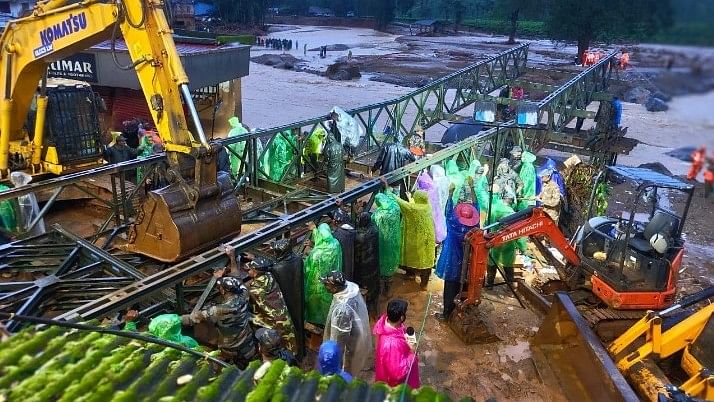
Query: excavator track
[(609, 323)]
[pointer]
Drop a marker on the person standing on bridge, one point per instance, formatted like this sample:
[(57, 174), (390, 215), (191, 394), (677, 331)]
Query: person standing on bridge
[(232, 319), (459, 220)]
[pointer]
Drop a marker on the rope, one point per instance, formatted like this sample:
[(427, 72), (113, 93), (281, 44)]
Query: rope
[(416, 348)]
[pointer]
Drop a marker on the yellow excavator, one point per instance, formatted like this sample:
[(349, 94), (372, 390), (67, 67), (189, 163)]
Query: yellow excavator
[(199, 207)]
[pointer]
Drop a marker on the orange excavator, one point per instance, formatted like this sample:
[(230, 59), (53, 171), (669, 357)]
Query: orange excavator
[(626, 263)]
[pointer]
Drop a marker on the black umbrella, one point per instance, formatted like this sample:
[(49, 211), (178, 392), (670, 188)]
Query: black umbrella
[(460, 131)]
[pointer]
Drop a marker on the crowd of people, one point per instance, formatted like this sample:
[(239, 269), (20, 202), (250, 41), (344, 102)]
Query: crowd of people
[(276, 43), (349, 260)]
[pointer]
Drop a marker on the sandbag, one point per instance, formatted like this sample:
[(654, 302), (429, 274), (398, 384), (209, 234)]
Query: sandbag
[(387, 217), (325, 256)]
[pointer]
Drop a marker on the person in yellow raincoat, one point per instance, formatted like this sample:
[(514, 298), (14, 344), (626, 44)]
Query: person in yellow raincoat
[(418, 235)]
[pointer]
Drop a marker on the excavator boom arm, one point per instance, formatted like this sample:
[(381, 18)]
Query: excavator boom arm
[(526, 223), (55, 31)]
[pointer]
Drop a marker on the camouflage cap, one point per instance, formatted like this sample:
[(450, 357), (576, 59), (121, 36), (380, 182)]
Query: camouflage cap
[(334, 278)]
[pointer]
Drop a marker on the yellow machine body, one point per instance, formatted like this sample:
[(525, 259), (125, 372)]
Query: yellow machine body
[(55, 30)]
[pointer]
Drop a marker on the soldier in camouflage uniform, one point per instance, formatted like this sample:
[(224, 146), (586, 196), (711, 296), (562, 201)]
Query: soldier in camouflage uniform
[(508, 178), (550, 195), (232, 319), (269, 308)]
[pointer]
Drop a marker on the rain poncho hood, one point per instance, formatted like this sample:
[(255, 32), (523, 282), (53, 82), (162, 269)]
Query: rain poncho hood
[(239, 147), (28, 207), (388, 219), (329, 360), (349, 129), (425, 183), (448, 267), (418, 237), (280, 155), (324, 257), (555, 176), (315, 142), (168, 327), (438, 176), (528, 175), (393, 358), (348, 324)]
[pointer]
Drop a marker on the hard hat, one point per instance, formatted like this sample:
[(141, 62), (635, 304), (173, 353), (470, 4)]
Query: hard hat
[(659, 243), (268, 339), (230, 284)]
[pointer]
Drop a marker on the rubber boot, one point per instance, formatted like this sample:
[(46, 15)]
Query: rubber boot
[(424, 275)]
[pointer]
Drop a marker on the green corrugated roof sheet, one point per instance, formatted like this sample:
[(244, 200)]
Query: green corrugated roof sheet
[(59, 364)]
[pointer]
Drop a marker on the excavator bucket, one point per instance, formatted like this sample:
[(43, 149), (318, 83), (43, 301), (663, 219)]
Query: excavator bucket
[(572, 361), (178, 220)]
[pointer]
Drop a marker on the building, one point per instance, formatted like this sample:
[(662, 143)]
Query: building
[(424, 27), (320, 12), (214, 70), (183, 15), (16, 8)]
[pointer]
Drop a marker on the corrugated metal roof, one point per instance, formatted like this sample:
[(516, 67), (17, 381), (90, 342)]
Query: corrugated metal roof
[(68, 365), (184, 49), (649, 176)]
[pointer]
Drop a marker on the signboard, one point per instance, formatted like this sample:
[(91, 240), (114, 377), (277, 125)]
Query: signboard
[(81, 67)]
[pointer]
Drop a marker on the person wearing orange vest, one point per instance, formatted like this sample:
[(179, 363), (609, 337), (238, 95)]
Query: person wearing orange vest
[(699, 156), (709, 177)]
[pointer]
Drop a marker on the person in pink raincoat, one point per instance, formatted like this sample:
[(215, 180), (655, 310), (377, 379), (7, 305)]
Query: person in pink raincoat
[(425, 183), (395, 360)]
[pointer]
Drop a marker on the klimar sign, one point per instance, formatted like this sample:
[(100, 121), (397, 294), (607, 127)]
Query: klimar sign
[(80, 66), (73, 24)]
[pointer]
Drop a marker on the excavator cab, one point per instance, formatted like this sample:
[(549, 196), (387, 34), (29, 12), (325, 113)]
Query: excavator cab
[(634, 252)]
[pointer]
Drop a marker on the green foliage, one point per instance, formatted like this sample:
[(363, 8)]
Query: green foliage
[(502, 27), (586, 20), (242, 39)]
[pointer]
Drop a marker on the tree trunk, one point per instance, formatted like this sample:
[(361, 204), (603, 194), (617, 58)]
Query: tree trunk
[(583, 44), (514, 26)]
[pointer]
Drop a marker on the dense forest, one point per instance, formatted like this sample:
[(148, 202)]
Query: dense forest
[(669, 21)]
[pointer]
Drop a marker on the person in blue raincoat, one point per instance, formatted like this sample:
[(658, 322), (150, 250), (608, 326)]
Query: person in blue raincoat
[(329, 361), (459, 220)]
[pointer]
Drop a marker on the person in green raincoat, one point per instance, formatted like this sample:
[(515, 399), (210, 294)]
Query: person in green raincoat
[(314, 144), (280, 155), (146, 149), (504, 256), (325, 256), (418, 235), (528, 176), (388, 219), (237, 148), (455, 177), (164, 326)]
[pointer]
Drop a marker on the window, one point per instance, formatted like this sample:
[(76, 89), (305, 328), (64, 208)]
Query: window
[(5, 7)]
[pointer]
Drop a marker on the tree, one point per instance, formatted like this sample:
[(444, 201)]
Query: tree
[(512, 10), (457, 10), (584, 21), (383, 11)]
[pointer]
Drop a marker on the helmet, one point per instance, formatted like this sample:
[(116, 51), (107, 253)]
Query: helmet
[(268, 339), (230, 283), (260, 264), (281, 246), (659, 243), (335, 278)]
